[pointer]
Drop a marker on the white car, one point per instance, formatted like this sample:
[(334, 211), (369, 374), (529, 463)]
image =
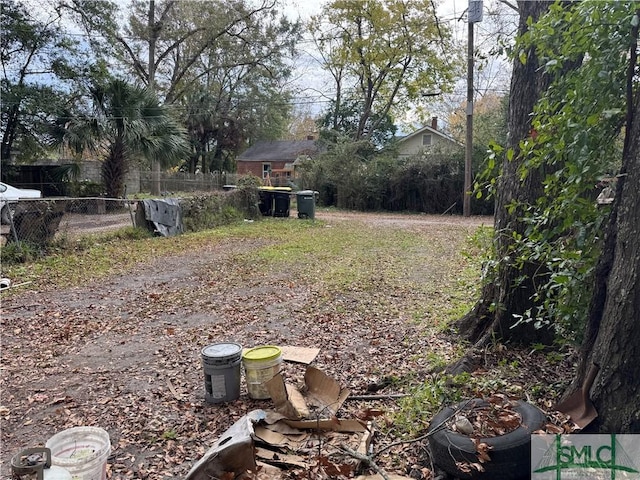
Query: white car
[(9, 196)]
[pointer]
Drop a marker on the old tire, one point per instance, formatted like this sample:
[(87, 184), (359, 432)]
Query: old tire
[(510, 453)]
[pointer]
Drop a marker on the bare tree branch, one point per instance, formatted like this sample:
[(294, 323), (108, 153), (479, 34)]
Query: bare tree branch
[(510, 5)]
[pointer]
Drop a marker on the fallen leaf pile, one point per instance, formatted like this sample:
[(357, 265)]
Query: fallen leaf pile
[(497, 417)]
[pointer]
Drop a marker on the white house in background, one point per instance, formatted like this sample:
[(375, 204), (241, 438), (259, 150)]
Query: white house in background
[(426, 139)]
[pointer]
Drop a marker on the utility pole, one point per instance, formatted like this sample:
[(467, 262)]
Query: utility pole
[(474, 15), (153, 33)]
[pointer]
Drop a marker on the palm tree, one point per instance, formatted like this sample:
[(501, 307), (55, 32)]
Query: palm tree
[(126, 123)]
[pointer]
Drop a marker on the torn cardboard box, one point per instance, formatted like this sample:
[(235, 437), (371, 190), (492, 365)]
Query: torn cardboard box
[(287, 400), (322, 392), (303, 423)]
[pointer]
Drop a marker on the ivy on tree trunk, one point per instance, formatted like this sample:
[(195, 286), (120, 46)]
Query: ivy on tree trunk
[(612, 339)]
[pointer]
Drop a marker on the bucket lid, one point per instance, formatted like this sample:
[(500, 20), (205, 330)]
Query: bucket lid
[(267, 352), (222, 350)]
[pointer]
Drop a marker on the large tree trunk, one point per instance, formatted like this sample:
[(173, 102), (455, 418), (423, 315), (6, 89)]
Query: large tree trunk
[(510, 293), (114, 170), (612, 338), (9, 134)]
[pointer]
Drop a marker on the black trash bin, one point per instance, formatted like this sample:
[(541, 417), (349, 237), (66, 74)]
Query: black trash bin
[(306, 200), (281, 201), (265, 202)]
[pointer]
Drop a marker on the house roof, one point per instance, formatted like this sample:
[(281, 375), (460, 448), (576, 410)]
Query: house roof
[(428, 129), (279, 150)]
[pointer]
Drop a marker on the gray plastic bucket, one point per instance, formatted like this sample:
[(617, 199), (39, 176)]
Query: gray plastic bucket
[(221, 365)]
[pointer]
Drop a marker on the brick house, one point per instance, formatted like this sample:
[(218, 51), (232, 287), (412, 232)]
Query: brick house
[(276, 158)]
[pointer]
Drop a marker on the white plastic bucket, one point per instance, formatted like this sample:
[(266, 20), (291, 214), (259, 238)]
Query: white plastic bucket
[(261, 364), (82, 451)]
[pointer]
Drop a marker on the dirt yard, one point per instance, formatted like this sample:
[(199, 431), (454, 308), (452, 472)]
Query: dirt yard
[(124, 354)]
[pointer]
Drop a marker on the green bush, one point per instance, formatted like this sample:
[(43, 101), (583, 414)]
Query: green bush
[(245, 198), (19, 252), (351, 176), (86, 188), (202, 212)]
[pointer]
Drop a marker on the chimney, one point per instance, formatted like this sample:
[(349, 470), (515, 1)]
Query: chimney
[(434, 123)]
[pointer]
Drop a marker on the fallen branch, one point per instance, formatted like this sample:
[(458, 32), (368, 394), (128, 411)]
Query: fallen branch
[(422, 437), (392, 396), (176, 395), (400, 442), (366, 459)]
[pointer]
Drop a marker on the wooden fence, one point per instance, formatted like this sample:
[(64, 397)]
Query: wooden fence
[(188, 182)]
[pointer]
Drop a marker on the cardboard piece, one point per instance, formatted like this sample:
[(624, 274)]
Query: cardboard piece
[(365, 440), (279, 423), (285, 431), (299, 354), (304, 355), (281, 427), (343, 425), (267, 472), (277, 439), (281, 459), (324, 392), (287, 399)]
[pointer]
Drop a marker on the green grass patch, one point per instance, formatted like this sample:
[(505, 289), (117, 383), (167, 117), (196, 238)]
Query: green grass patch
[(378, 269)]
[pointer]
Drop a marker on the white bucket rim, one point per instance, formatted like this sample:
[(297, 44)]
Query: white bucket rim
[(88, 437)]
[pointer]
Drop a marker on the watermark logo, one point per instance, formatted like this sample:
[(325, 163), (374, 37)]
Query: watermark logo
[(577, 456)]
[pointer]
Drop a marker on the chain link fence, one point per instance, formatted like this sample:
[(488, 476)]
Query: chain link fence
[(43, 221)]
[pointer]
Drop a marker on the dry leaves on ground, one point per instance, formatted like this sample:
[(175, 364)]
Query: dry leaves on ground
[(124, 354)]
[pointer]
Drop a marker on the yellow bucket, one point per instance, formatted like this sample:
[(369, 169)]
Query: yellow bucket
[(261, 364)]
